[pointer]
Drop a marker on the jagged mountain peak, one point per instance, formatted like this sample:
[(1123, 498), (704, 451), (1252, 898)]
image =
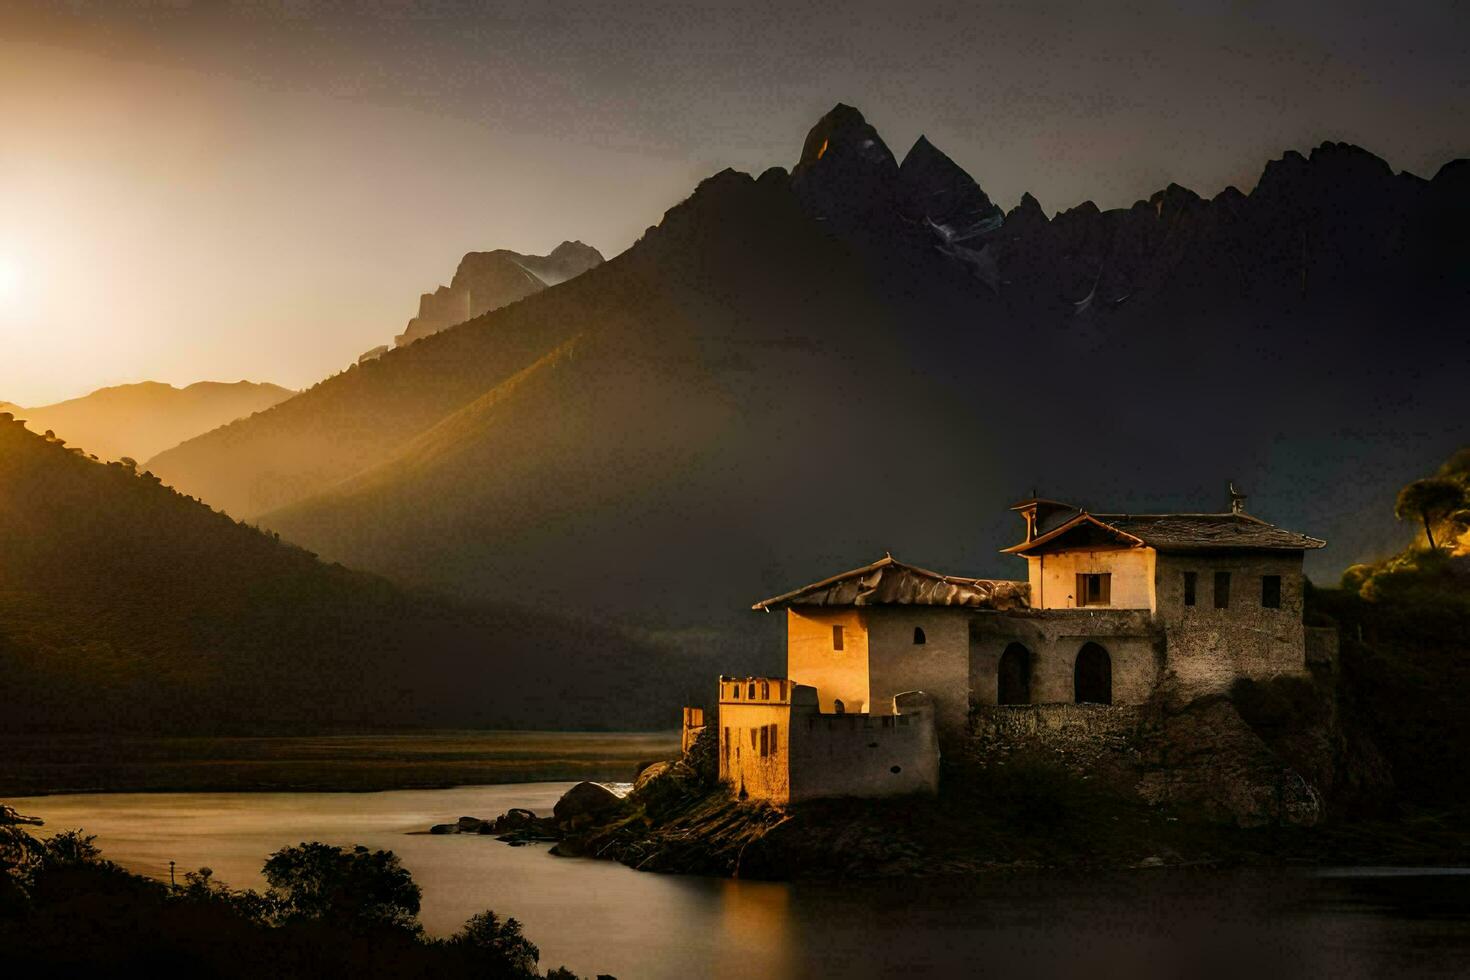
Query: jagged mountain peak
[(1349, 158), (1328, 165), (1173, 200), (1454, 172), (846, 173), (934, 190), (843, 138), (485, 281)]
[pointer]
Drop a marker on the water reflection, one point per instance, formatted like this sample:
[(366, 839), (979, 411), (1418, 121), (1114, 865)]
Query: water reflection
[(596, 916)]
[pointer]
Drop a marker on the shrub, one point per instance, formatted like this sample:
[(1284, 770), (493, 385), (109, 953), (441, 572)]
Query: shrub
[(357, 887), (495, 947)]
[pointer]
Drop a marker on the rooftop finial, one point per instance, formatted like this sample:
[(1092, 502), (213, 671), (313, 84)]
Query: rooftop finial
[(1237, 499)]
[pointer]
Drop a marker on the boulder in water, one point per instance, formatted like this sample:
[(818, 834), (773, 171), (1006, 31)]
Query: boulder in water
[(587, 798)]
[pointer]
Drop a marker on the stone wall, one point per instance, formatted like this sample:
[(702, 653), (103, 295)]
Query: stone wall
[(1209, 648), (782, 748), (939, 666), (1077, 736), (1322, 646), (690, 728), (864, 755), (1053, 639)]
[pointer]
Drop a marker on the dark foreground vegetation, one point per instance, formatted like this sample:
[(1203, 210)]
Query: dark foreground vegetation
[(328, 912)]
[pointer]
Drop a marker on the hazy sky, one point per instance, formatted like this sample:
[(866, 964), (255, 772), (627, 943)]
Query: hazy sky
[(261, 190)]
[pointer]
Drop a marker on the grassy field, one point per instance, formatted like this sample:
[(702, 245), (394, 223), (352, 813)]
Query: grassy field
[(32, 765)]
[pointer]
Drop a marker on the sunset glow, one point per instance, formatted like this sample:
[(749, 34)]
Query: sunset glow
[(405, 406)]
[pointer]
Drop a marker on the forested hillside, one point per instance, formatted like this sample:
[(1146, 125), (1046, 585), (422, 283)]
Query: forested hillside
[(125, 605)]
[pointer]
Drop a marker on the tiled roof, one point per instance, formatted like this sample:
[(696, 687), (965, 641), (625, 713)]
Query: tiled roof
[(1190, 532), (889, 582)]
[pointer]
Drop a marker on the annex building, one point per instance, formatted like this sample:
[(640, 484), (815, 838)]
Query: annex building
[(885, 663)]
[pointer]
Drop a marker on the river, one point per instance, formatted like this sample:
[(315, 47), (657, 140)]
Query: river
[(600, 917)]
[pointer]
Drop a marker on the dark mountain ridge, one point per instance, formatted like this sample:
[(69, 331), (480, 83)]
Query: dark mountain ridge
[(791, 374), (125, 606)]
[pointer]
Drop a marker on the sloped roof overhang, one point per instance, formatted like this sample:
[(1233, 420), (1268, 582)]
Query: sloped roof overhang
[(1081, 520)]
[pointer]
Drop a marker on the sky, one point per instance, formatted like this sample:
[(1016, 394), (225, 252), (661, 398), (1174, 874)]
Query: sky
[(262, 190)]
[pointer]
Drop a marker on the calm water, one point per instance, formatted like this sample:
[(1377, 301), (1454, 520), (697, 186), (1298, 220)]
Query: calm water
[(596, 916)]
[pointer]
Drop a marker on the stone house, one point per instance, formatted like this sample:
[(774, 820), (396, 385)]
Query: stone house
[(1111, 605)]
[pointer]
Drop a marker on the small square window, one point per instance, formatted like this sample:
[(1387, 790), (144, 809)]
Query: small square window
[(1271, 591), (837, 638), (1190, 579), (1222, 590), (1094, 589)]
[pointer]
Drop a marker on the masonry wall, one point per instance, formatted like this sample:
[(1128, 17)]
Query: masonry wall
[(940, 666), (812, 660), (868, 755), (1054, 639), (1053, 577), (1209, 647)]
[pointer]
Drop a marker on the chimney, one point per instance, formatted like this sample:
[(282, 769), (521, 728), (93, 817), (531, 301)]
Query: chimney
[(1237, 499)]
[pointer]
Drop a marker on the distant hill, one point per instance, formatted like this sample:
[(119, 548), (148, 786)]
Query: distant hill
[(126, 606), (792, 374), (487, 281), (140, 420)]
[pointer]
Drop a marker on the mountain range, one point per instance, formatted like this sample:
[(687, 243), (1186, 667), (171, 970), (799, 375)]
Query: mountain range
[(792, 373), (140, 420)]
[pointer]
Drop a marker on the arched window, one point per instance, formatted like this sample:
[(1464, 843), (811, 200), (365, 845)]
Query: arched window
[(751, 693), (919, 637), (1092, 677), (765, 690), (1013, 676)]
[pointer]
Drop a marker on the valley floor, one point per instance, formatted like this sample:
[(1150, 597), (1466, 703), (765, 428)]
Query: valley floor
[(37, 764)]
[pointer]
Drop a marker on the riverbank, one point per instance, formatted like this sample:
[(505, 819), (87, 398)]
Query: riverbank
[(1030, 810), (34, 765), (600, 916), (710, 834)]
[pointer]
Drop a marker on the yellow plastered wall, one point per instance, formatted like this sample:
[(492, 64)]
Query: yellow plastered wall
[(810, 658), (750, 774), (1053, 577)]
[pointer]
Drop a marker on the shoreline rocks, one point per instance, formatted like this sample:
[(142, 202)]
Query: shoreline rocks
[(577, 808)]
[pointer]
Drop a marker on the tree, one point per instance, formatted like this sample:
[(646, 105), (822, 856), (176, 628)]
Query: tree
[(70, 848), (356, 887), (498, 948), (1429, 501)]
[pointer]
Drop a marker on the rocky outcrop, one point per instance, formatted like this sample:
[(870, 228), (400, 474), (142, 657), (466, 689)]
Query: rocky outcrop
[(9, 817), (1271, 753), (1206, 758), (486, 281), (587, 799), (577, 807)]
